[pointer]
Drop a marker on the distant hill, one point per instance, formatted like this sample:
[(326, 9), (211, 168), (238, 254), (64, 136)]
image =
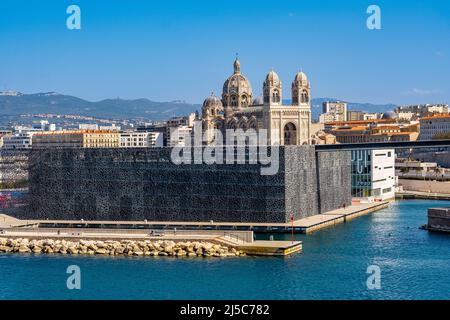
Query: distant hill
[(55, 103), (14, 103)]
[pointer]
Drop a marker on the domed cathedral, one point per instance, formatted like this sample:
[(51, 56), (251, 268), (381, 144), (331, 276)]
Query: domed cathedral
[(286, 124)]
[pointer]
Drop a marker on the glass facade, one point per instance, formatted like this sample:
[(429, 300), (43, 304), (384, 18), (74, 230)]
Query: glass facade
[(361, 173)]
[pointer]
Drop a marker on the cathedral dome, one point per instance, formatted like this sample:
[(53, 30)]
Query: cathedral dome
[(212, 107), (300, 76), (237, 83), (272, 78), (300, 80), (237, 91), (389, 115), (212, 102)]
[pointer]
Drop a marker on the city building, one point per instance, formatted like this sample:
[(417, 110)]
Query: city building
[(236, 109), (371, 116), (143, 184), (43, 125), (414, 112), (321, 137), (77, 139), (155, 128), (413, 169), (178, 130), (141, 139), (373, 174), (380, 130), (109, 127), (88, 126), (353, 115), (181, 121), (333, 111), (433, 126), (177, 136), (18, 141)]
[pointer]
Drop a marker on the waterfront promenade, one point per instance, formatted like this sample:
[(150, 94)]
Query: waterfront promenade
[(238, 235), (305, 225), (422, 195)]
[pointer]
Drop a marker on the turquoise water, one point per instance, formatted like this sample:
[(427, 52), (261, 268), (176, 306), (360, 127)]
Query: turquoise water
[(414, 264)]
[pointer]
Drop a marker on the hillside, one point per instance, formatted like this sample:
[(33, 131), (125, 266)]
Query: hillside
[(51, 102)]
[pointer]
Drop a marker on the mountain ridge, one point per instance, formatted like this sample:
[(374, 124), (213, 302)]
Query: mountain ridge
[(16, 103)]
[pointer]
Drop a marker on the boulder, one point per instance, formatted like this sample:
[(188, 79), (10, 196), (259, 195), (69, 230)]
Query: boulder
[(4, 248), (100, 251), (72, 250), (37, 249)]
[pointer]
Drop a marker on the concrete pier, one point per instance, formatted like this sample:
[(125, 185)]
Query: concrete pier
[(305, 225)]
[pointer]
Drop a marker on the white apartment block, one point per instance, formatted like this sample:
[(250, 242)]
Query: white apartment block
[(434, 125), (141, 139), (333, 111), (88, 126), (17, 141), (329, 117), (111, 127), (177, 136), (373, 174), (371, 116)]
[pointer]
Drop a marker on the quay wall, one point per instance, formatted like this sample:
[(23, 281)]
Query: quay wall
[(425, 185)]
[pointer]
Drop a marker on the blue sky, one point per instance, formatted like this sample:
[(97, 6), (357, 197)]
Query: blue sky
[(183, 49)]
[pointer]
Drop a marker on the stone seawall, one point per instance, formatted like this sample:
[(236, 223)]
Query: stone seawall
[(118, 248), (425, 186)]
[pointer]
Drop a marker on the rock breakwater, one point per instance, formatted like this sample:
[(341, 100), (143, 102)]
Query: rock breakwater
[(120, 247)]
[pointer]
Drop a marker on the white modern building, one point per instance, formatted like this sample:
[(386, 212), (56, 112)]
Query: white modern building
[(18, 141), (373, 174), (156, 139), (43, 125), (88, 126), (432, 126), (111, 127), (141, 139), (177, 136), (371, 116)]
